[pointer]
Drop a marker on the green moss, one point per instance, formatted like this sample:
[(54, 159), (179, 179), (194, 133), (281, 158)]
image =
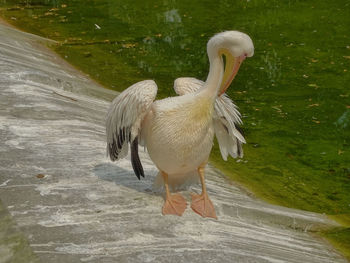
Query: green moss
[(294, 93), (14, 247), (339, 238)]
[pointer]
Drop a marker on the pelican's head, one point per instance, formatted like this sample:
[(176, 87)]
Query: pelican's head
[(235, 46)]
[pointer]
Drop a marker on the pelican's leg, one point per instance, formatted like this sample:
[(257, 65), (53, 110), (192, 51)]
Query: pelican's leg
[(201, 204), (174, 204)]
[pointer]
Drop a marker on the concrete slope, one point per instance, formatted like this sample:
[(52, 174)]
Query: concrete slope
[(73, 205)]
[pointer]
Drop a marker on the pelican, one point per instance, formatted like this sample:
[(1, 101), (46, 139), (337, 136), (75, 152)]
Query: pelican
[(178, 132)]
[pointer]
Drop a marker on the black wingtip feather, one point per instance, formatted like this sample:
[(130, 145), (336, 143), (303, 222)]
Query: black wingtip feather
[(238, 128), (112, 151), (116, 146), (238, 148), (135, 159)]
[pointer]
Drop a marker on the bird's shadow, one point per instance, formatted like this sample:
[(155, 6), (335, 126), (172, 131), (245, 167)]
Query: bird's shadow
[(127, 178)]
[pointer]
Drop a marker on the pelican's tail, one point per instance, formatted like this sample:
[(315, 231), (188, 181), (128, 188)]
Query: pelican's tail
[(176, 181)]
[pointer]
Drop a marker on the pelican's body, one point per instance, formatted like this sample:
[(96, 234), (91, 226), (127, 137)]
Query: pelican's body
[(185, 142), (178, 132)]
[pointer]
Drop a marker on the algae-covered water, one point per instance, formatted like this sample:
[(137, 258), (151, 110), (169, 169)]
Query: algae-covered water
[(294, 93)]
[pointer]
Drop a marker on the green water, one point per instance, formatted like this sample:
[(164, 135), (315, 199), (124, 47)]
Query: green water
[(294, 93)]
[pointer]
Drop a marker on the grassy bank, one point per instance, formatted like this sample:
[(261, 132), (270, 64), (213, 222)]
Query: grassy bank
[(294, 93)]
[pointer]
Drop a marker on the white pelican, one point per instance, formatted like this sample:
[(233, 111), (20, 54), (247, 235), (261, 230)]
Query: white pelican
[(178, 131)]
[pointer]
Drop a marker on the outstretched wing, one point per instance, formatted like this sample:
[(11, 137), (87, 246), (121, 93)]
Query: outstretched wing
[(124, 118), (226, 118)]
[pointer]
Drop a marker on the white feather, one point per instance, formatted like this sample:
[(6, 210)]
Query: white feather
[(225, 115), (126, 113)]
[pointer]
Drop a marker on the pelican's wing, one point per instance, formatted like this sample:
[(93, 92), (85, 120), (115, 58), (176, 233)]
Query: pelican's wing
[(124, 118), (226, 118), (227, 121), (183, 86)]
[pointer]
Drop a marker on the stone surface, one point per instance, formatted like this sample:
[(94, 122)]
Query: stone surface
[(73, 205)]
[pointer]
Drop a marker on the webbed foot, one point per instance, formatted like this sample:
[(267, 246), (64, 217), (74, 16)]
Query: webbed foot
[(174, 204), (202, 205)]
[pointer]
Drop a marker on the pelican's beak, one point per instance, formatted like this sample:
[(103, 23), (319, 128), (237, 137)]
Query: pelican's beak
[(231, 69)]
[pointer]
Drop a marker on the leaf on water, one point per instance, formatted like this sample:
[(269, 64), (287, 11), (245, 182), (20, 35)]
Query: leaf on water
[(128, 45), (70, 39), (312, 85), (13, 8), (277, 108), (40, 176)]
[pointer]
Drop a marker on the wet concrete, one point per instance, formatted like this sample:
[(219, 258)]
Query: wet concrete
[(73, 205)]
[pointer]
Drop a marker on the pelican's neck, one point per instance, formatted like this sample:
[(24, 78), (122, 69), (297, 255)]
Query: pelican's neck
[(216, 72)]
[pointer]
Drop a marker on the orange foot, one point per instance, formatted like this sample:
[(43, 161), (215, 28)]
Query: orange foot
[(174, 205), (203, 206)]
